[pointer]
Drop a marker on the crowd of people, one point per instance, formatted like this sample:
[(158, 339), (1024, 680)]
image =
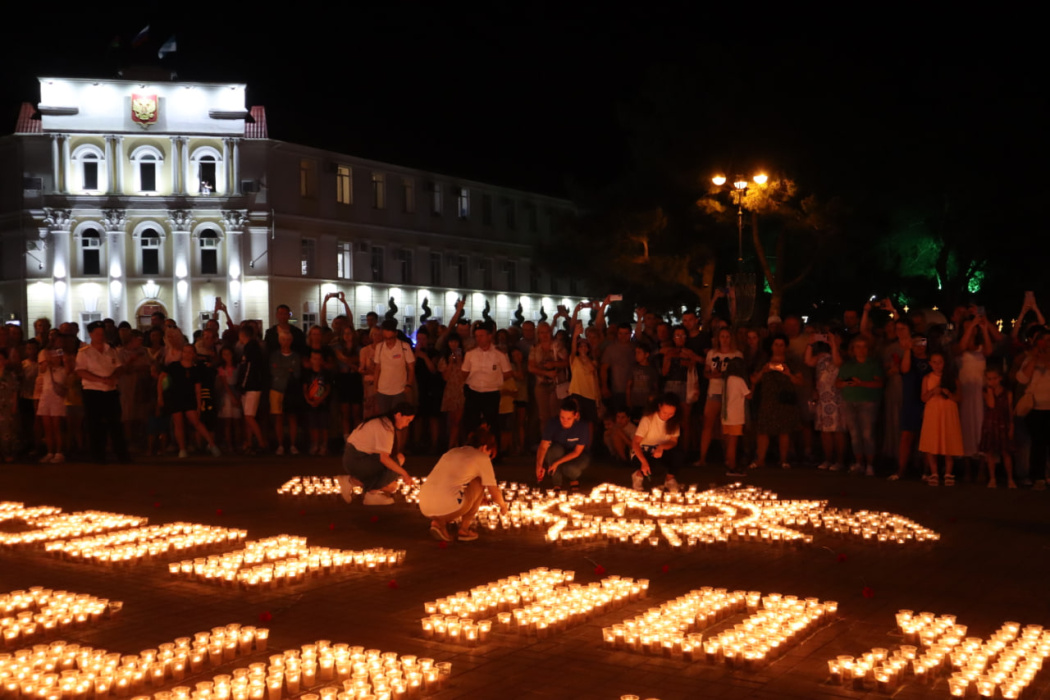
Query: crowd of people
[(876, 391)]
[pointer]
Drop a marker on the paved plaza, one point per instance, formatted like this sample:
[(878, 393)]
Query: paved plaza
[(991, 565)]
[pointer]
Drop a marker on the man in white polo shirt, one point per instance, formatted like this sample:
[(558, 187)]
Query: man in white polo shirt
[(486, 368), (98, 368), (395, 368)]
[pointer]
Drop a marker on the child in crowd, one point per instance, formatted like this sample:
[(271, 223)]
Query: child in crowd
[(735, 393), (317, 390), (619, 433), (997, 428), (229, 398), (941, 430)]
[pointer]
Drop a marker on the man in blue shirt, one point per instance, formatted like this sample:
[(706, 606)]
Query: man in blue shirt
[(564, 447)]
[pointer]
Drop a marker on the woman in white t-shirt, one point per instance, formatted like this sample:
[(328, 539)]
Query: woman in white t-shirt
[(369, 459), (656, 441), (454, 489), (715, 365)]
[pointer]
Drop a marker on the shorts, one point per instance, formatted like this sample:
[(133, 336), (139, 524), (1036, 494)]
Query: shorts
[(732, 429), (276, 402), (250, 402)]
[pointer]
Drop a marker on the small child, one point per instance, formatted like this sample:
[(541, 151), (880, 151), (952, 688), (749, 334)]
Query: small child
[(941, 429), (997, 430), (317, 390), (619, 434), (735, 393)]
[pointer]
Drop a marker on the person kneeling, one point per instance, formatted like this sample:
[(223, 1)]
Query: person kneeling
[(368, 458), (455, 487), (563, 447)]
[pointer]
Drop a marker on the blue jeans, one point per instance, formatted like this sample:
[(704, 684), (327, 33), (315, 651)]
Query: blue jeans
[(860, 419), (570, 470), (368, 469)]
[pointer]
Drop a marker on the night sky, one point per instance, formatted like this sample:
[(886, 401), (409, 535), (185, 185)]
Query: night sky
[(552, 99)]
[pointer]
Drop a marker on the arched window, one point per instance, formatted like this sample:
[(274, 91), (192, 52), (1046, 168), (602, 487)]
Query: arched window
[(208, 241), (206, 172), (149, 242), (90, 252), (88, 172), (148, 161)]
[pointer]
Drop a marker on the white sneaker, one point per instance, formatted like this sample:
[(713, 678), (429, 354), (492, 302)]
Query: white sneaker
[(215, 451), (378, 498), (824, 465), (870, 471), (346, 490), (294, 450), (671, 484), (46, 459), (836, 467), (280, 451), (58, 458), (856, 469), (637, 481), (183, 454)]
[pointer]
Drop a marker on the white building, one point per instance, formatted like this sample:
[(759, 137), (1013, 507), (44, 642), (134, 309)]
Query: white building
[(119, 198)]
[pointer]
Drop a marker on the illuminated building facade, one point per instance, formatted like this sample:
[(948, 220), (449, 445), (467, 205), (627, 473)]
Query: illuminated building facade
[(119, 198)]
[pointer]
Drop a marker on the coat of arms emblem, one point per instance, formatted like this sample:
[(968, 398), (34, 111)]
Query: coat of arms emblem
[(144, 110)]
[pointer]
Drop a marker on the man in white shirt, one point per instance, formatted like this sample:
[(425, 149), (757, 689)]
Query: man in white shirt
[(395, 368), (98, 367), (486, 368), (456, 486)]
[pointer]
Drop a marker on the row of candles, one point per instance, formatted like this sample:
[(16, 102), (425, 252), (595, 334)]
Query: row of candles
[(310, 486), (536, 602), (281, 560), (675, 628), (62, 671), (143, 543), (49, 523), (1001, 666), (25, 615)]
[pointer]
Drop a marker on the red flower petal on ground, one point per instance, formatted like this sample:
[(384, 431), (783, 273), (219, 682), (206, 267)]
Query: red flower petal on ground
[(867, 592), (599, 570), (265, 616), (218, 511), (840, 558), (442, 544), (374, 518), (665, 568), (156, 504), (392, 583)]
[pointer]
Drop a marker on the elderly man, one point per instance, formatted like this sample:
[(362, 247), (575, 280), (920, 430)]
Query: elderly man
[(98, 367)]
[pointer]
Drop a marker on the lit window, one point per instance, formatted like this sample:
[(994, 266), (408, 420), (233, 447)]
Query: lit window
[(378, 191), (409, 192), (206, 172), (307, 249), (463, 202), (87, 169), (345, 261), (344, 185)]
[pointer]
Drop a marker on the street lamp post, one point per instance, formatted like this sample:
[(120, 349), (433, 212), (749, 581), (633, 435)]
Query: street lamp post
[(740, 186)]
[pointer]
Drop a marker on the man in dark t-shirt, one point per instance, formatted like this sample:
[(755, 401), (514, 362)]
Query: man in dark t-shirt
[(564, 450)]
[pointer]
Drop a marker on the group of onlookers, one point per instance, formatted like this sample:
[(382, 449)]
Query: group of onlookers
[(871, 391)]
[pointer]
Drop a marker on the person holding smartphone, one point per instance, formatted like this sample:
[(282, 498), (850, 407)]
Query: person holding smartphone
[(776, 384)]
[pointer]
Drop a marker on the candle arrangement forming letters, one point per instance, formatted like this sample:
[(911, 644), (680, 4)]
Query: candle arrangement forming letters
[(1001, 666), (675, 628), (39, 611), (687, 519), (535, 603), (143, 543), (63, 671), (49, 523), (281, 560)]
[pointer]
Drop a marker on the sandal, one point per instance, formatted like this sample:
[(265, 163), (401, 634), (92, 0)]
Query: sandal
[(933, 480), (949, 480)]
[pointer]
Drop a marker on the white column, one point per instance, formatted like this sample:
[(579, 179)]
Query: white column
[(118, 164), (54, 161), (185, 161), (235, 277), (109, 165), (65, 163), (180, 253), (236, 189), (176, 181), (60, 266), (116, 292), (224, 188)]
